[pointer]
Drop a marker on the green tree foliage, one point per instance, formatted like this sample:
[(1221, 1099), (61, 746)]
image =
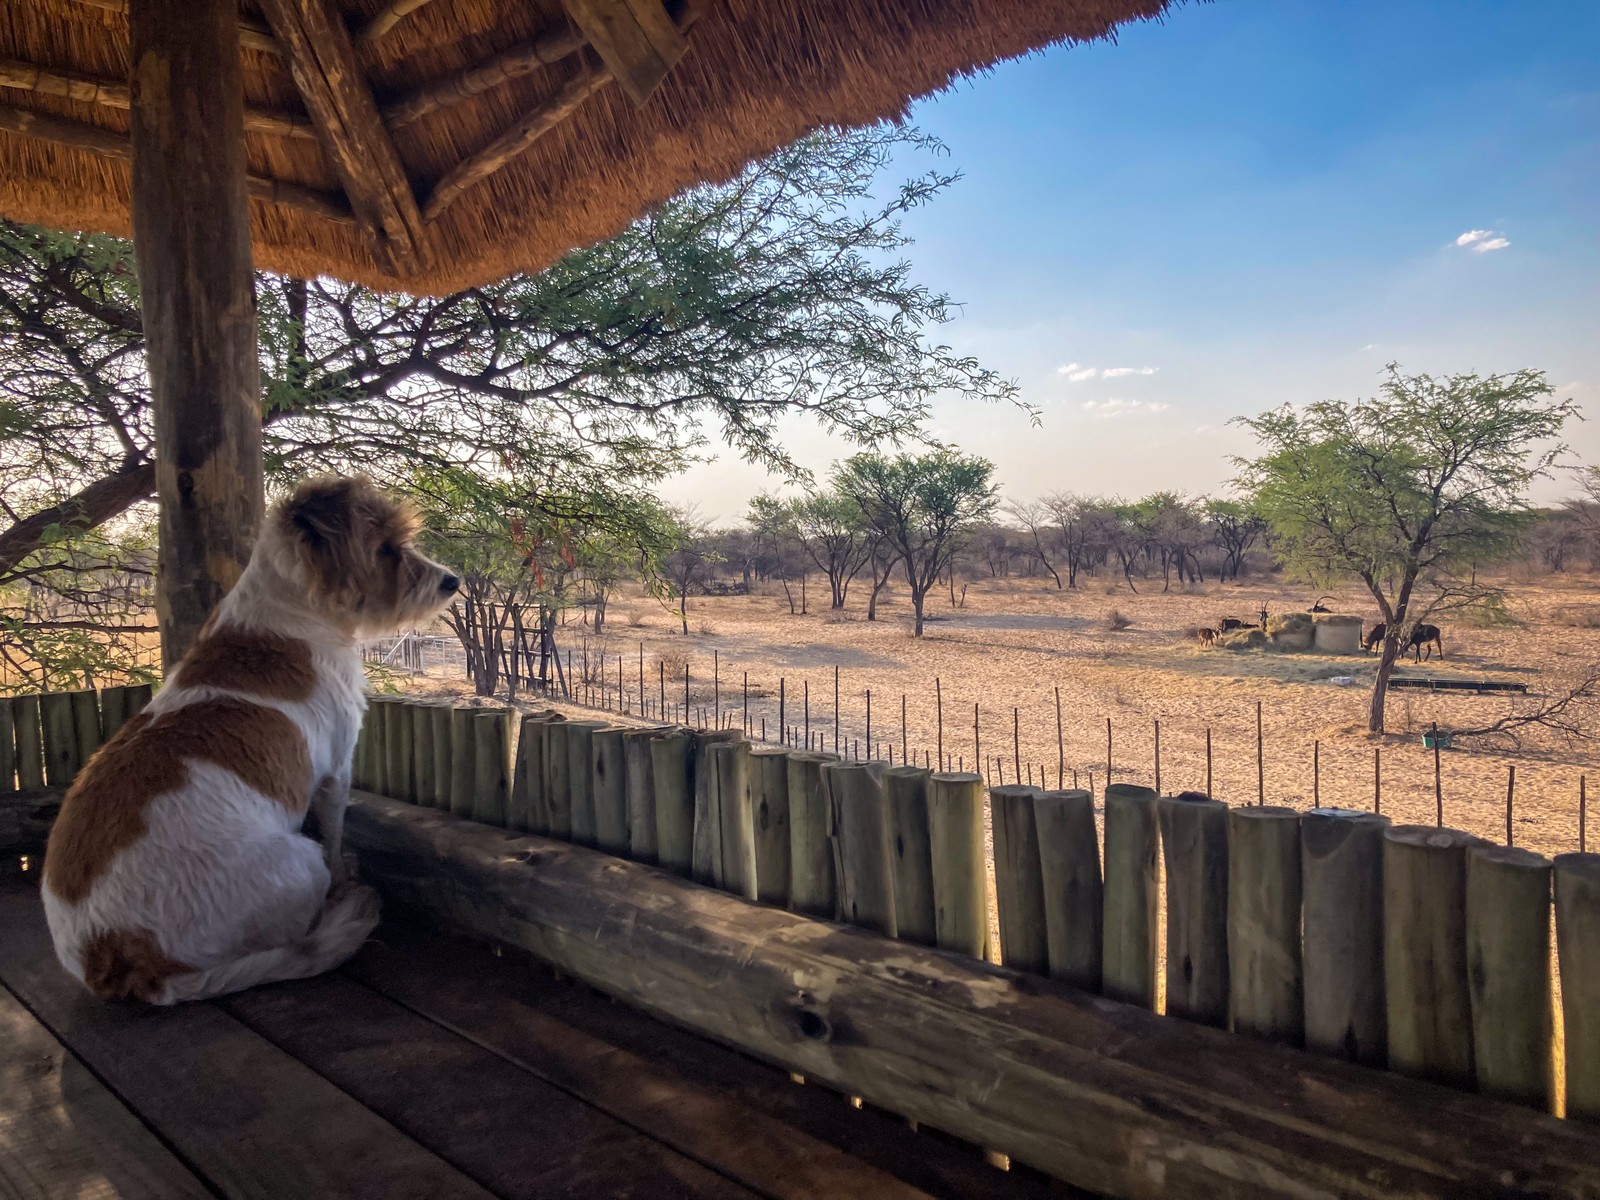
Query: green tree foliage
[(923, 507), (1405, 491), (784, 291)]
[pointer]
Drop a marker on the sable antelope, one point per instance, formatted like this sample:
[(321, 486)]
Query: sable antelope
[(1422, 637), (1208, 637), (1229, 624), (1319, 606)]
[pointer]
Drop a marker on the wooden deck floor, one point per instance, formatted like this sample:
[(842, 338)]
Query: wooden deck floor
[(427, 1068)]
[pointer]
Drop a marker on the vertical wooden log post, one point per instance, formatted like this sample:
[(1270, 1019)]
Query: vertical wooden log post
[(608, 781), (8, 747), (26, 720), (191, 228), (139, 697), (1508, 974), (1019, 885), (1132, 871), (1341, 878), (1425, 953), (812, 887), (60, 742), (640, 783), (113, 711), (1074, 899), (580, 779), (378, 753), (397, 743), (443, 755), (463, 760), (1265, 982), (525, 810), (1577, 895), (707, 846), (960, 878), (860, 823), (910, 844), (672, 766), (558, 766), (361, 756), (1194, 841), (723, 830), (422, 759), (491, 767), (769, 819), (85, 724)]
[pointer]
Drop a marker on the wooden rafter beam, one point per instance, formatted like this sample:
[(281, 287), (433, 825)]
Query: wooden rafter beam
[(390, 15), (253, 35), (510, 64), (636, 39), (515, 140), (322, 58), (72, 85), (106, 143)]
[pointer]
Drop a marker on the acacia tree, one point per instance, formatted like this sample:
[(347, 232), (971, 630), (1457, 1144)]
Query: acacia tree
[(687, 563), (721, 311), (1235, 527), (922, 506), (1407, 490)]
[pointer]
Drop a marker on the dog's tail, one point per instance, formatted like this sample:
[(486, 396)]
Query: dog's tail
[(350, 916)]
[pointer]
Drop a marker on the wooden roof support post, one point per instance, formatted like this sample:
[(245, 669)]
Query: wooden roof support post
[(191, 228)]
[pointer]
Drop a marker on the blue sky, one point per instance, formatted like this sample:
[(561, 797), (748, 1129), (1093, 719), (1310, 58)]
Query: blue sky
[(1252, 202)]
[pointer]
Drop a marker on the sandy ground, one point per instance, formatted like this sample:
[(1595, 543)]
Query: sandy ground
[(1014, 642)]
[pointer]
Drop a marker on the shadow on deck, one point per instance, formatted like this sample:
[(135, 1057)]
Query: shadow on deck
[(428, 1067)]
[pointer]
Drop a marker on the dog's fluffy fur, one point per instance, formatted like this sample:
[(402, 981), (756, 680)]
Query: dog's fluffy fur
[(177, 869)]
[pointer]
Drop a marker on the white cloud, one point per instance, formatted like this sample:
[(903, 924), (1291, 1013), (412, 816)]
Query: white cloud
[(1117, 407), (1480, 241), (1077, 373)]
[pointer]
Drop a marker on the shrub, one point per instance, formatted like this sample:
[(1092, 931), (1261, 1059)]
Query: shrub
[(1577, 616)]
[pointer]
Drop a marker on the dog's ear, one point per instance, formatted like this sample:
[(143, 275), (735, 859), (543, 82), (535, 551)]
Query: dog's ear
[(319, 513)]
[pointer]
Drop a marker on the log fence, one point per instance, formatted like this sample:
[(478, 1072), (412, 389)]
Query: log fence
[(1419, 949)]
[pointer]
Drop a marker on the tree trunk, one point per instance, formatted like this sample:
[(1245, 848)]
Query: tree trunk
[(1380, 686), (917, 597), (191, 227)]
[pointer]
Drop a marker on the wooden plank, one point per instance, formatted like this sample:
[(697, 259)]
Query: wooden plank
[(745, 1119), (1103, 1095), (960, 877), (859, 816), (243, 1114), (63, 1134), (340, 102), (635, 38), (1508, 974), (191, 228), (1265, 983), (506, 1128), (769, 822), (915, 919)]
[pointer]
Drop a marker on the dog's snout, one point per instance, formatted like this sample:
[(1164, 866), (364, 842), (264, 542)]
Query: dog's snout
[(449, 584)]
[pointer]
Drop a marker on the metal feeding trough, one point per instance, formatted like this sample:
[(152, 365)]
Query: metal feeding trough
[(1436, 741), (1476, 686)]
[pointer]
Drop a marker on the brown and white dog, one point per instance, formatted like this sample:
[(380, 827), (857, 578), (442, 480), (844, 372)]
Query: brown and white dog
[(177, 869)]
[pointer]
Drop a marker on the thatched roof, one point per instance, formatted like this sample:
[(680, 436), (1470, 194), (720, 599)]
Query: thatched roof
[(516, 129)]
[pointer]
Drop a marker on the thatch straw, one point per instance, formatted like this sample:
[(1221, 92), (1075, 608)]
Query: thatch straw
[(758, 74)]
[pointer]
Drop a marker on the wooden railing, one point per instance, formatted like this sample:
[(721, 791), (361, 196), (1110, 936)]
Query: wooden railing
[(1417, 949)]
